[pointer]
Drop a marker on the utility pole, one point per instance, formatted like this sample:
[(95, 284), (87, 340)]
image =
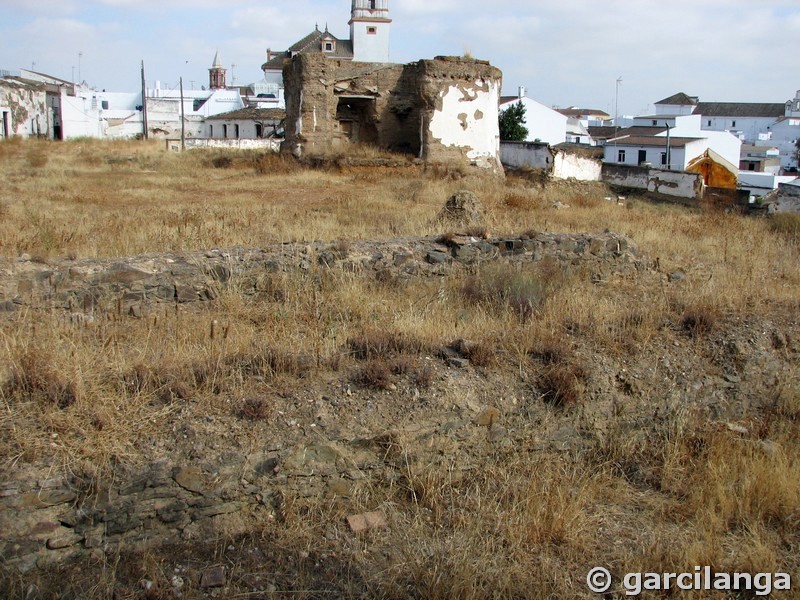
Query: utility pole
[(669, 158), (80, 56), (144, 105), (183, 121), (616, 109)]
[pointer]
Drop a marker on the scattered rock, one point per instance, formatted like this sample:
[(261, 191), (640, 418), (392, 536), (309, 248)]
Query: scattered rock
[(463, 209), (63, 540), (677, 276), (213, 577), (488, 417), (190, 478), (367, 521), (737, 428)]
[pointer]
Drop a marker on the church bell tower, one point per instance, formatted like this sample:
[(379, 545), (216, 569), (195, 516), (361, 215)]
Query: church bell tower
[(369, 30), (216, 75)]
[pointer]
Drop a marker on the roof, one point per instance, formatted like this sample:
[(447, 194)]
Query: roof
[(311, 43), (752, 148), (583, 112), (250, 113), (657, 142), (600, 132), (679, 99), (505, 99), (21, 82), (217, 64), (740, 109)]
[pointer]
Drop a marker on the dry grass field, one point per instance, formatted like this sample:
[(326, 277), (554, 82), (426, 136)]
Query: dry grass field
[(651, 423)]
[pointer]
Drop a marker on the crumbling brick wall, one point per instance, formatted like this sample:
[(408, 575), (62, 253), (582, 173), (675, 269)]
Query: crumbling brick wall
[(442, 110)]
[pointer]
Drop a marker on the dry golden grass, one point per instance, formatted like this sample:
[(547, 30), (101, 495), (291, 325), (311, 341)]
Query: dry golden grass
[(645, 489)]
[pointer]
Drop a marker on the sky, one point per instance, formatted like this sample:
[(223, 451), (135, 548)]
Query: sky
[(565, 53)]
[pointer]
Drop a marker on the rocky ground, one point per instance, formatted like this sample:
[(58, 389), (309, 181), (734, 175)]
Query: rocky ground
[(276, 502)]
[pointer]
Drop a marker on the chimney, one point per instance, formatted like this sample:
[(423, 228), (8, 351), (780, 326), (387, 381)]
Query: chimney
[(521, 92)]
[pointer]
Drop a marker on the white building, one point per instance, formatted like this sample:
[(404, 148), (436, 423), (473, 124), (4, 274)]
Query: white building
[(246, 123), (77, 110), (687, 141), (369, 42), (751, 122), (543, 124)]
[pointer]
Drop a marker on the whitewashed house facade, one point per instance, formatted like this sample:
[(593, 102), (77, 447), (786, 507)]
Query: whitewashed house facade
[(543, 124)]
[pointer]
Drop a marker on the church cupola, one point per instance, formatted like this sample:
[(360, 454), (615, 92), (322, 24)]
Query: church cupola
[(369, 30), (216, 74)]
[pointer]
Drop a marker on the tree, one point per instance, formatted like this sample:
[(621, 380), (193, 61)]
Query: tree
[(797, 151), (512, 123)]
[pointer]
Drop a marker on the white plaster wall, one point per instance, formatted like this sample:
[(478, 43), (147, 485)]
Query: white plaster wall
[(543, 123), (243, 144), (370, 47), (749, 127), (80, 115), (672, 183), (567, 165), (633, 178), (653, 155), (764, 181), (674, 109), (525, 154), (468, 120), (784, 134)]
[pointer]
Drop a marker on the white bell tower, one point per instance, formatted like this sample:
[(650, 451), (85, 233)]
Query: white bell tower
[(369, 30)]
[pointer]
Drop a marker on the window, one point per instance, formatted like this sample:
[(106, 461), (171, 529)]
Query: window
[(709, 122), (210, 131), (655, 122), (372, 4), (733, 123), (104, 104), (236, 131), (642, 157), (621, 156), (224, 131), (663, 159), (372, 30), (328, 47)]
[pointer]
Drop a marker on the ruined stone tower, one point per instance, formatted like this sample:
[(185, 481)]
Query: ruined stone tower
[(369, 30)]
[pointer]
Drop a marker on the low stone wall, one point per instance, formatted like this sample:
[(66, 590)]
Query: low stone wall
[(787, 198), (131, 285), (670, 184)]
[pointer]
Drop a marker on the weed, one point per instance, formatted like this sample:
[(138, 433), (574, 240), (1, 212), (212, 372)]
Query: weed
[(699, 320), (36, 377), (255, 409), (374, 373), (786, 225), (562, 385)]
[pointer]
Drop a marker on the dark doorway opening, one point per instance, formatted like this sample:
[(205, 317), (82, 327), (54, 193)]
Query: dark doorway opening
[(357, 118)]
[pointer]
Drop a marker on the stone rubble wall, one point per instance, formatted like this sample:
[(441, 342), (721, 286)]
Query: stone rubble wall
[(131, 285)]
